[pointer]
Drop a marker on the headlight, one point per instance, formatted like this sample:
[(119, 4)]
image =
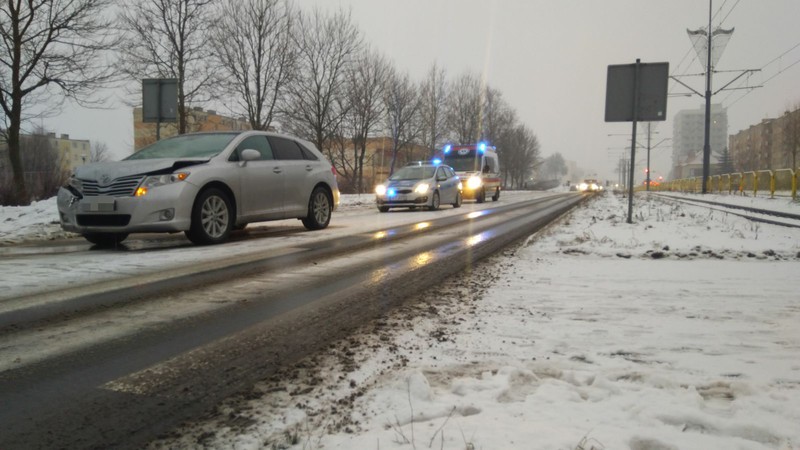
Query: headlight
[(75, 184), (155, 181), (474, 182), (460, 186), (583, 187), (422, 188), (380, 189)]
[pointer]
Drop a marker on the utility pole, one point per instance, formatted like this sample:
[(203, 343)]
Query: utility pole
[(707, 138), (710, 62)]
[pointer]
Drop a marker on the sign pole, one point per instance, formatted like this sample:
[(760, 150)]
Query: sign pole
[(633, 138), (158, 110)]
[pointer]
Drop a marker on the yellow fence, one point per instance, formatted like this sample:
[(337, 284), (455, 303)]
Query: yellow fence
[(755, 182)]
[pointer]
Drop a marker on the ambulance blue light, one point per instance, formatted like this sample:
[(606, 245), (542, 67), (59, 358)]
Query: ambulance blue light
[(437, 161), (447, 148), (391, 192), (482, 147)]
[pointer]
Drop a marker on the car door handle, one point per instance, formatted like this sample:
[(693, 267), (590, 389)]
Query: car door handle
[(276, 170), (309, 168)]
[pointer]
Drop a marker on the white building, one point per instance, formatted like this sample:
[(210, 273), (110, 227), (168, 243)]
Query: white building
[(688, 136)]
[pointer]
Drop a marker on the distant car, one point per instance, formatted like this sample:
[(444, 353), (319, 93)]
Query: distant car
[(420, 185), (204, 184), (590, 185)]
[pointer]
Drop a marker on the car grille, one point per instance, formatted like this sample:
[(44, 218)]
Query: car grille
[(404, 191), (121, 187), (103, 220)]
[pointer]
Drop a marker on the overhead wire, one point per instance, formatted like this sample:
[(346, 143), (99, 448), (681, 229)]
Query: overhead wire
[(747, 79)]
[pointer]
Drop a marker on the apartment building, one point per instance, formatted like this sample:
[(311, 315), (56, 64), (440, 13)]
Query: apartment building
[(770, 144), (198, 119)]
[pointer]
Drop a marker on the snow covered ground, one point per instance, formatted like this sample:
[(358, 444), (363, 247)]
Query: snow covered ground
[(679, 331)]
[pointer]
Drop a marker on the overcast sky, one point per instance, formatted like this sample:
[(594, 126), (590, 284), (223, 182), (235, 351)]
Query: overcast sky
[(549, 58)]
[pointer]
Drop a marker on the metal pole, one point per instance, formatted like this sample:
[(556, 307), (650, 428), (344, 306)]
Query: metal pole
[(647, 179), (158, 109), (633, 138), (707, 139)]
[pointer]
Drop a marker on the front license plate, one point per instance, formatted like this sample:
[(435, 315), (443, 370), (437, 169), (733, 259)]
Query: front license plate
[(99, 204)]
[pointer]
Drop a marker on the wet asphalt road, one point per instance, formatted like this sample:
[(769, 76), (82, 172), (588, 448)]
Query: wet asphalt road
[(242, 323)]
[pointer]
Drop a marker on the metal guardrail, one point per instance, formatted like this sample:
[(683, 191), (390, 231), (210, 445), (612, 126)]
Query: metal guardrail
[(755, 181)]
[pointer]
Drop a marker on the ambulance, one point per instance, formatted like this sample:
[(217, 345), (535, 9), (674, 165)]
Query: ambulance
[(478, 167)]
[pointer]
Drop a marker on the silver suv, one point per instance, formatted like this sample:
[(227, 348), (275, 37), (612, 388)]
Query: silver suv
[(204, 184)]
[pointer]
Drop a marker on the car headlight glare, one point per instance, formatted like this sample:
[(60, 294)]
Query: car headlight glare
[(422, 188), (380, 189), (474, 182), (155, 181)]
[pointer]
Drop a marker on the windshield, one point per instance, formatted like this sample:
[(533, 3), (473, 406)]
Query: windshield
[(186, 146), (463, 163), (413, 173)]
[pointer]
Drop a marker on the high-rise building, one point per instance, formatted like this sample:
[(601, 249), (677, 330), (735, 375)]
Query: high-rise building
[(688, 138)]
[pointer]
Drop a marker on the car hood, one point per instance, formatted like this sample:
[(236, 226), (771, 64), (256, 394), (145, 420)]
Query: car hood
[(403, 183), (118, 169)]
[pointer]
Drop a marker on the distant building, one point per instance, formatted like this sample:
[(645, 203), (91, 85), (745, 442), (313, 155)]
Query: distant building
[(377, 161), (71, 153), (688, 139), (198, 119), (771, 144)]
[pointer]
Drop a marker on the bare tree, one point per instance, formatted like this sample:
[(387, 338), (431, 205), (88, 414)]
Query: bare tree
[(44, 173), (521, 155), (99, 152), (168, 39), (402, 105), (464, 109), (326, 44), (498, 116), (365, 89), (554, 167), (254, 50), (433, 102), (49, 48)]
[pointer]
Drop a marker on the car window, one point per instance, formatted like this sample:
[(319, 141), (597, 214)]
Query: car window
[(308, 154), (285, 149), (441, 175), (258, 143), (203, 145), (492, 163)]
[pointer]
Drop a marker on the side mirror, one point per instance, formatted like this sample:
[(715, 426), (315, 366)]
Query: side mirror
[(249, 154)]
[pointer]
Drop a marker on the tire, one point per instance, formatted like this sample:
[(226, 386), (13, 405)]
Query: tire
[(435, 202), (496, 195), (481, 197), (320, 207), (105, 239), (383, 208), (459, 200), (212, 218)]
